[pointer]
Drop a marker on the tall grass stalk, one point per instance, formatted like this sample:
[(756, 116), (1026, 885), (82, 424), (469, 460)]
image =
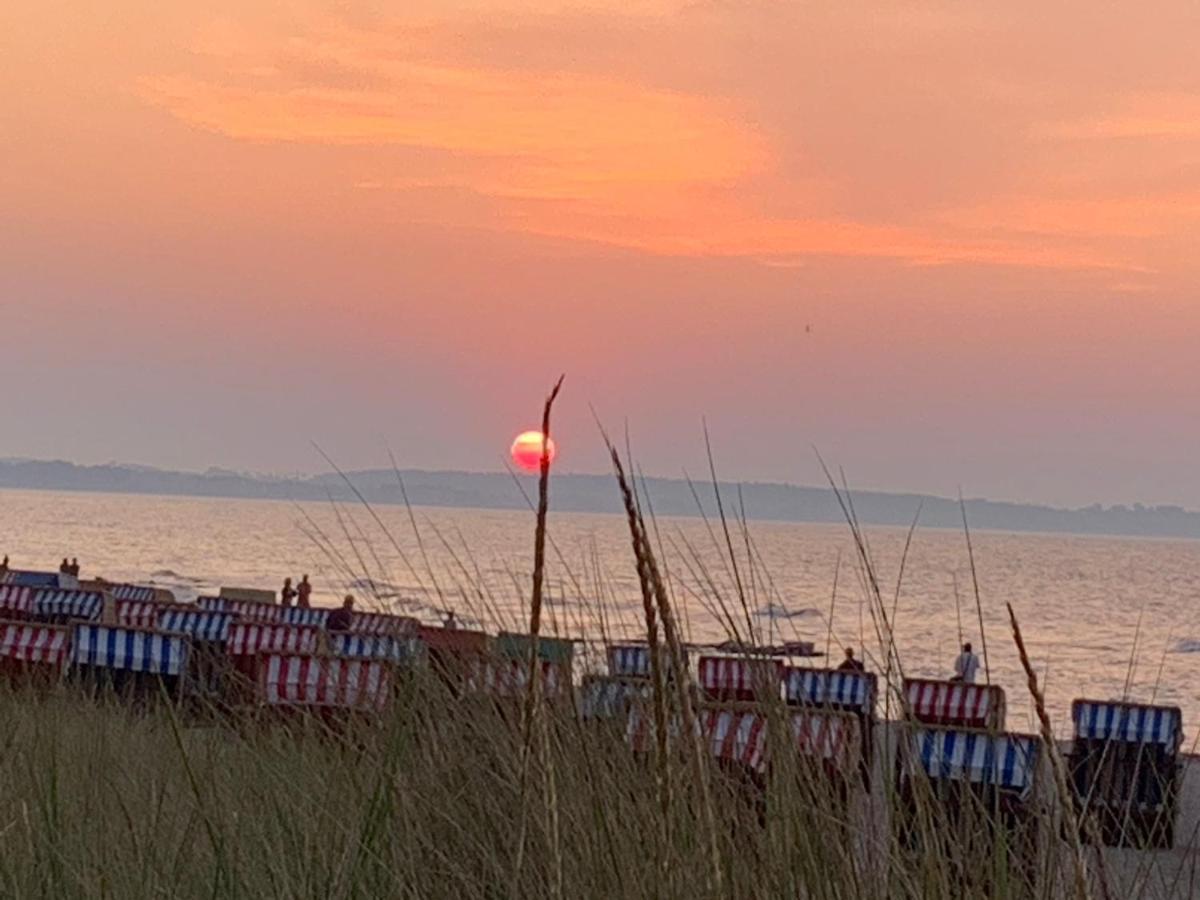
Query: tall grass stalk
[(1058, 767), (657, 681), (987, 666), (688, 719), (531, 718)]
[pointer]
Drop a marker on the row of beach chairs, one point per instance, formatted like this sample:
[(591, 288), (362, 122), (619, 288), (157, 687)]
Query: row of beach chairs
[(1123, 761), (217, 650), (236, 652)]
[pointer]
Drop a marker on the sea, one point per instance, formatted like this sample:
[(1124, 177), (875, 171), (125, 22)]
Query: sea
[(1102, 617)]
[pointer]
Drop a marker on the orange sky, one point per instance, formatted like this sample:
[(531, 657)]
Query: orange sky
[(946, 243)]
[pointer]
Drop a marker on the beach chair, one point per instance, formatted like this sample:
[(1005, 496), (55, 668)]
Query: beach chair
[(208, 662), (135, 592), (24, 578), (740, 735), (254, 611), (382, 623), (301, 616), (16, 602), (971, 795), (136, 613), (512, 645), (1125, 771), (504, 674), (608, 698), (32, 653), (739, 678), (633, 661), (842, 690), (247, 610), (630, 660), (333, 689), (396, 649), (453, 653), (506, 678), (202, 626), (246, 643), (60, 606), (815, 755), (135, 663), (955, 704)]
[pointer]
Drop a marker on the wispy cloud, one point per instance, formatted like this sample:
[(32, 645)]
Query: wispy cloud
[(612, 157)]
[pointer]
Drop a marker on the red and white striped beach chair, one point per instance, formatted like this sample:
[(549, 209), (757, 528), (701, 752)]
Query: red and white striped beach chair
[(741, 736), (738, 678), (955, 704), (32, 647), (138, 613), (246, 643), (508, 678), (309, 681), (16, 601), (252, 638)]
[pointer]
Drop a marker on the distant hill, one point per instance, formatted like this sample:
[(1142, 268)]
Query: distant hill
[(598, 493)]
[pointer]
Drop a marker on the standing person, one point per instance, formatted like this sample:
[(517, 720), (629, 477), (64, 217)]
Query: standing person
[(450, 623), (74, 570), (288, 594), (966, 666), (4, 565), (850, 664), (303, 592), (342, 617), (65, 567)]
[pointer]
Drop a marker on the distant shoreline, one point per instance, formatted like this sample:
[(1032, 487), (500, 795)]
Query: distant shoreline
[(597, 494)]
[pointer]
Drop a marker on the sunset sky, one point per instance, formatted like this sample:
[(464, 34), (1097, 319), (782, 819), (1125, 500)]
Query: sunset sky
[(945, 243)]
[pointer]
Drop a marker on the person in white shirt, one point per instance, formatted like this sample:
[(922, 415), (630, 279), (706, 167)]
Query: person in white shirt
[(966, 665)]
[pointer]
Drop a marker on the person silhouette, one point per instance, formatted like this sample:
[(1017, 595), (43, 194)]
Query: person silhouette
[(850, 664), (303, 592), (966, 665), (343, 617), (288, 593)]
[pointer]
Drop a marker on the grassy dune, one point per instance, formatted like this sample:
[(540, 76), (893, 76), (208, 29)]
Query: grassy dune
[(101, 800)]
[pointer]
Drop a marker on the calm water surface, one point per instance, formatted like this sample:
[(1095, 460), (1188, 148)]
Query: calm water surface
[(1096, 612)]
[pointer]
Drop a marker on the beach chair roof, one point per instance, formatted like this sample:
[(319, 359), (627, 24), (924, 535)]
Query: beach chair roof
[(1136, 723), (831, 687), (980, 757)]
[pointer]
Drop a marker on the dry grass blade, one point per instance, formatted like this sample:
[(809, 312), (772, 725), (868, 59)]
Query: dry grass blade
[(531, 719), (688, 720), (656, 666), (987, 668), (733, 563), (1070, 820)]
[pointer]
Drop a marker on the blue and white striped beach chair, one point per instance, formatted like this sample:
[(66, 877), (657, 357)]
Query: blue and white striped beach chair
[(1125, 771)]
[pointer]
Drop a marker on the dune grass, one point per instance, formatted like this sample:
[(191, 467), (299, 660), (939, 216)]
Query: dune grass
[(465, 797), (100, 800)]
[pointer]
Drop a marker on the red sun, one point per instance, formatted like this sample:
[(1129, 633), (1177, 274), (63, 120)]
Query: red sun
[(527, 450)]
